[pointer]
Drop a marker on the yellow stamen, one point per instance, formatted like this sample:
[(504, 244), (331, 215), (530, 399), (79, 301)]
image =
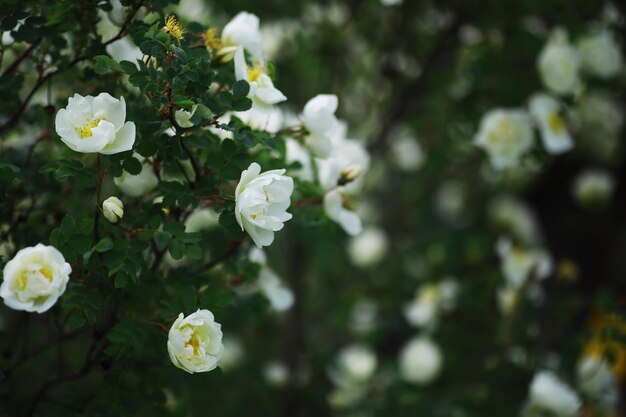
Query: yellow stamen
[(85, 130), (254, 73), (211, 40), (556, 122), (193, 342), (46, 273), (174, 27), (22, 281)]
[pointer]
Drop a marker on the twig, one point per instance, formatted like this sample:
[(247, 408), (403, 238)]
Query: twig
[(234, 247)]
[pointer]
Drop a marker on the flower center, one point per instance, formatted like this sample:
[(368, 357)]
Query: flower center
[(556, 122), (85, 130), (193, 342), (174, 27), (22, 280), (211, 40), (255, 72)]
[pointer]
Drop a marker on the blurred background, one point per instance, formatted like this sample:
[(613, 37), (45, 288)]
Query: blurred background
[(472, 290)]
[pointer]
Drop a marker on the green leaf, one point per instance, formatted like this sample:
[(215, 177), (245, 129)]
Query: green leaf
[(128, 67), (176, 248), (104, 63), (161, 239), (103, 245), (121, 280), (75, 321), (241, 89), (193, 251), (132, 166)]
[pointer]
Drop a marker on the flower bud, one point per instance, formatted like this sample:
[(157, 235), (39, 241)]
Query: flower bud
[(113, 209), (349, 174)]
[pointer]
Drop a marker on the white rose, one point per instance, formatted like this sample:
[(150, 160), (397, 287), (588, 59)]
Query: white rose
[(356, 363), (113, 209), (183, 117), (140, 184), (420, 361), (408, 154), (233, 352), (243, 30), (429, 301), (319, 119), (201, 219), (593, 186), (515, 216), (276, 373), (262, 91), (35, 279), (517, 263), (262, 201), (337, 212), (368, 248), (297, 153), (506, 135), (280, 297), (547, 114), (195, 342), (95, 124), (600, 54), (349, 161), (559, 65), (548, 393)]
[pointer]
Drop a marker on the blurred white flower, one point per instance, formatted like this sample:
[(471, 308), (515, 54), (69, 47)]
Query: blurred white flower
[(275, 35), (195, 342), (547, 114), (336, 211), (518, 263), (262, 200), (95, 124), (559, 65), (506, 135), (140, 184), (356, 364), (183, 117), (319, 120), (113, 209), (201, 219), (420, 361), (406, 152), (597, 381), (600, 54), (124, 50), (550, 394), (450, 202), (276, 373), (243, 30), (507, 299), (34, 279), (600, 119), (363, 316), (233, 352), (368, 248), (297, 153), (593, 186), (267, 119), (262, 91), (280, 297), (516, 217), (430, 301)]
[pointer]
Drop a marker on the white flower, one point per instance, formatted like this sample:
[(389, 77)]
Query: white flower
[(517, 263), (201, 219), (243, 30), (347, 164), (262, 91), (233, 352), (297, 153), (391, 2), (593, 186), (124, 50), (597, 381), (279, 296), (183, 117), (548, 393), (262, 201), (506, 135), (140, 184), (516, 217), (355, 364), (337, 212), (368, 248), (195, 342), (507, 299), (319, 119), (420, 361), (600, 54), (276, 373), (113, 209), (35, 279), (407, 153), (546, 112), (559, 65), (95, 124), (429, 301)]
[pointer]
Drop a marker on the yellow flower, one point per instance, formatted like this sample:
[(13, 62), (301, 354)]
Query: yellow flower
[(212, 40), (174, 27)]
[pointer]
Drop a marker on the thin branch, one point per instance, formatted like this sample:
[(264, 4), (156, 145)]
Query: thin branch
[(11, 68), (232, 250)]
